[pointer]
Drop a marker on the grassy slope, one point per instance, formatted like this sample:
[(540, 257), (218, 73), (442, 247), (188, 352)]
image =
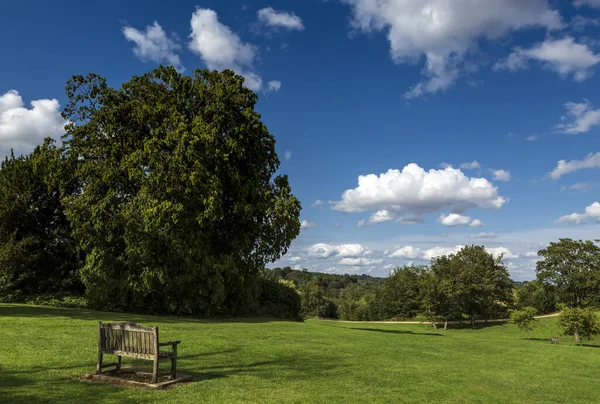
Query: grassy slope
[(45, 350)]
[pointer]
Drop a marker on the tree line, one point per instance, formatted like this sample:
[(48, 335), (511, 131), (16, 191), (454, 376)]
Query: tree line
[(471, 284)]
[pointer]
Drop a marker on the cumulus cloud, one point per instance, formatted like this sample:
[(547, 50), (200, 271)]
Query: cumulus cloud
[(22, 129), (454, 219), (531, 254), (443, 32), (564, 56), (580, 118), (280, 19), (273, 85), (360, 261), (322, 250), (502, 251), (380, 216), (410, 252), (154, 45), (318, 202), (305, 224), (409, 194), (591, 212), (501, 175), (220, 48), (470, 166), (564, 167)]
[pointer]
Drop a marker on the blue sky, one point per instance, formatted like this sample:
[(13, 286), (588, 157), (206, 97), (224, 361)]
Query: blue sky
[(356, 88)]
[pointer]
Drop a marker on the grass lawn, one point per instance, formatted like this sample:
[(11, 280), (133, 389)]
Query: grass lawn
[(45, 350)]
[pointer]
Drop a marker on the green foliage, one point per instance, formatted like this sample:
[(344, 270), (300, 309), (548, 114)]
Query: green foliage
[(401, 292), (37, 251), (582, 323), (77, 302), (179, 207), (572, 268), (279, 299), (524, 318), (314, 302), (537, 294)]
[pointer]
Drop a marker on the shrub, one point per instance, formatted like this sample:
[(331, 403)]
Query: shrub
[(279, 299)]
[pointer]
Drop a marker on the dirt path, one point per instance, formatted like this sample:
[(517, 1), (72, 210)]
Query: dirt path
[(495, 320)]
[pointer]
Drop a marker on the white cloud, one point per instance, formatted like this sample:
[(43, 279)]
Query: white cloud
[(307, 225), (408, 251), (591, 212), (380, 216), (413, 192), (532, 138), (439, 251), (295, 259), (505, 252), (360, 261), (501, 175), (564, 56), (318, 202), (322, 250), (280, 19), (580, 118), (476, 223), (389, 266), (22, 129), (454, 219), (154, 45), (469, 166), (220, 48), (443, 32), (531, 254), (288, 155), (573, 218), (591, 3), (565, 167), (273, 85)]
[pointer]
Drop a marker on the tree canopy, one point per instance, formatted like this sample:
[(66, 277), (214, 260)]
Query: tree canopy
[(180, 205)]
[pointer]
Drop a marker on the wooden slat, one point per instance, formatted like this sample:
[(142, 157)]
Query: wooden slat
[(127, 326), (165, 355)]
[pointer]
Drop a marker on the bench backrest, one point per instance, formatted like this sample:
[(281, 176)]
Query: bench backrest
[(129, 337)]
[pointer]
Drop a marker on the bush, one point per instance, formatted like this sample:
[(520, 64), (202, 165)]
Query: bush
[(279, 299), (581, 323), (524, 318), (76, 302)]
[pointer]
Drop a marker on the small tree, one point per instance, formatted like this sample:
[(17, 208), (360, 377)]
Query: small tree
[(524, 319), (581, 323)]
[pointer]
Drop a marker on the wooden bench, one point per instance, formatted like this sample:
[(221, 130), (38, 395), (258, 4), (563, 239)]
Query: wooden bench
[(134, 341)]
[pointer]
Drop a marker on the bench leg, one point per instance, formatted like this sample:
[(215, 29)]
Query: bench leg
[(155, 369), (99, 365), (118, 362), (174, 363)]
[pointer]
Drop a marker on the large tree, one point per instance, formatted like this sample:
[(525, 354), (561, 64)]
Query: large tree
[(471, 282), (179, 207), (572, 268), (37, 251)]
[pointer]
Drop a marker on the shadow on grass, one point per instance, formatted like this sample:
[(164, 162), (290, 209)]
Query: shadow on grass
[(19, 310), (398, 332), (478, 326)]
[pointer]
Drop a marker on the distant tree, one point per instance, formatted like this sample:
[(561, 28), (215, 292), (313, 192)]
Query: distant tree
[(573, 269), (537, 294), (37, 251), (582, 323), (401, 292), (181, 205), (524, 318), (472, 282), (314, 302)]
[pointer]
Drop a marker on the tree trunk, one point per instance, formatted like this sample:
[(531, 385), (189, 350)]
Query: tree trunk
[(472, 321), (445, 325), (433, 323), (577, 338)]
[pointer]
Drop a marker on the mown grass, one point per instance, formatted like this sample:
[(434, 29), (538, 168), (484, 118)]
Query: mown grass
[(45, 350)]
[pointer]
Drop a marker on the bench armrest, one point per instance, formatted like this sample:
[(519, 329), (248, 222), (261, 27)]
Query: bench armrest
[(169, 343)]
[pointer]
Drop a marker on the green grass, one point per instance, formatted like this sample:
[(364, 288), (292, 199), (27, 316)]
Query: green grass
[(45, 350)]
